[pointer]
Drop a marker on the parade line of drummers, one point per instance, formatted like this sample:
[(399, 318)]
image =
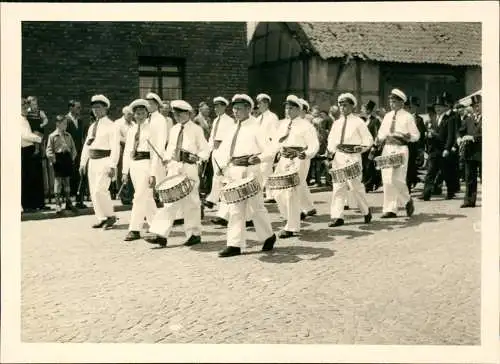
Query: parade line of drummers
[(257, 157)]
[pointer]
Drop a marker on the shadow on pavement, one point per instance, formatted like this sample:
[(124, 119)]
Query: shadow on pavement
[(295, 254), (402, 221), (329, 234)]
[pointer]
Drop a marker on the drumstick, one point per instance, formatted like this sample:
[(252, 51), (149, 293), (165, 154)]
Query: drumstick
[(120, 190), (154, 150), (217, 164)]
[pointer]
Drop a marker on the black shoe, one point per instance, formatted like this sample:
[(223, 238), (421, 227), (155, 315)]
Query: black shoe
[(109, 222), (303, 216), (424, 198), (193, 240), (346, 207), (230, 251), (285, 234), (388, 215), (132, 235), (80, 205), (312, 212), (410, 208), (99, 224), (219, 221), (249, 224), (269, 243), (368, 217), (178, 222), (450, 196), (159, 240), (270, 200), (209, 204), (467, 204), (336, 222)]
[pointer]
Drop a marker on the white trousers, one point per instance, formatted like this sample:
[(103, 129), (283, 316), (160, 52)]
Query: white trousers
[(306, 201), (214, 194), (99, 187), (266, 170), (339, 195), (394, 180), (292, 200), (143, 204), (189, 207), (252, 208), (350, 199)]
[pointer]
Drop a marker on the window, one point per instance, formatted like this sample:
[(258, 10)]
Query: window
[(163, 76)]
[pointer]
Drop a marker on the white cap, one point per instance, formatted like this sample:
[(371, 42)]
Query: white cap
[(221, 100), (261, 97), (304, 103), (137, 103), (180, 105), (243, 98), (347, 96), (153, 96), (100, 98), (292, 99), (397, 92), (126, 110)]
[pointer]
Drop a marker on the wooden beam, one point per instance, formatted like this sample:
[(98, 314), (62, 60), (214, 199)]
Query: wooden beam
[(358, 80)]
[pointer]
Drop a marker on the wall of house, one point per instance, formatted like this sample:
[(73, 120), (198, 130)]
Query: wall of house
[(65, 60), (473, 80)]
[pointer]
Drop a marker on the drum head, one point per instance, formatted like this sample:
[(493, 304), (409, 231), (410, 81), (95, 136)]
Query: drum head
[(170, 181)]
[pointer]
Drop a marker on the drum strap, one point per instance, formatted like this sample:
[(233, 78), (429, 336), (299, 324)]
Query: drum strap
[(342, 133), (393, 123), (285, 137), (178, 144), (94, 133), (233, 142), (136, 139), (216, 126)]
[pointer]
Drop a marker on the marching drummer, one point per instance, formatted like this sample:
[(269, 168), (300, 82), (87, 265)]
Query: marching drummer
[(352, 130), (102, 152), (240, 155), (187, 146), (398, 128), (137, 162), (297, 142)]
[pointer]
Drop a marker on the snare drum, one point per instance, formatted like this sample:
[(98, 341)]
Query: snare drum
[(394, 160), (347, 173), (282, 181), (174, 188), (241, 190)]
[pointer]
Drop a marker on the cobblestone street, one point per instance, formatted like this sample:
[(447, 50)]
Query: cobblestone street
[(401, 281)]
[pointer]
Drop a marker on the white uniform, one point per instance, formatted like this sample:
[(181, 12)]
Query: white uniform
[(143, 204), (250, 140), (159, 138), (123, 128), (269, 122), (394, 179), (193, 141), (107, 138), (355, 132), (290, 201)]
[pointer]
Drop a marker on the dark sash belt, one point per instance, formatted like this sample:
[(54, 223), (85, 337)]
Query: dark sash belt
[(241, 161), (293, 151), (391, 140), (183, 158), (99, 153), (138, 156)]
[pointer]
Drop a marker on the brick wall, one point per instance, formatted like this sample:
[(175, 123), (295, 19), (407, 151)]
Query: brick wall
[(65, 60)]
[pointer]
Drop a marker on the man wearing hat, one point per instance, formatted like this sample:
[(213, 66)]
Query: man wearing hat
[(416, 148), (398, 128), (269, 122), (124, 124), (371, 176), (101, 151), (187, 146), (239, 156), (470, 142), (305, 108), (349, 129), (441, 141), (137, 163), (223, 122), (297, 142), (159, 134)]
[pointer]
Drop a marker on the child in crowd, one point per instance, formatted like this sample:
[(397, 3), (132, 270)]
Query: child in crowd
[(61, 153)]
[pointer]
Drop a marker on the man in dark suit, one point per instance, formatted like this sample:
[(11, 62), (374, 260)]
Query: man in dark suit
[(372, 178), (78, 130), (440, 141), (416, 148), (470, 146)]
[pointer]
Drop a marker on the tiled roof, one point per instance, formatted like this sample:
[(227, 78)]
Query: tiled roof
[(457, 44)]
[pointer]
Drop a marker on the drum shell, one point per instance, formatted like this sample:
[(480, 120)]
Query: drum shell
[(282, 182), (234, 194), (176, 192)]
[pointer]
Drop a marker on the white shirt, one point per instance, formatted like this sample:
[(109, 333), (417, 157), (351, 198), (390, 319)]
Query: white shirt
[(302, 134), (123, 128), (356, 132), (143, 146), (28, 138), (223, 124), (193, 141), (251, 140), (269, 122), (405, 124), (159, 137), (107, 138)]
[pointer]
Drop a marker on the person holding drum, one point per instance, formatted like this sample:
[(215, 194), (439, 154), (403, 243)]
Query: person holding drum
[(180, 190), (101, 151), (398, 128), (348, 138), (239, 156), (297, 142), (137, 163)]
